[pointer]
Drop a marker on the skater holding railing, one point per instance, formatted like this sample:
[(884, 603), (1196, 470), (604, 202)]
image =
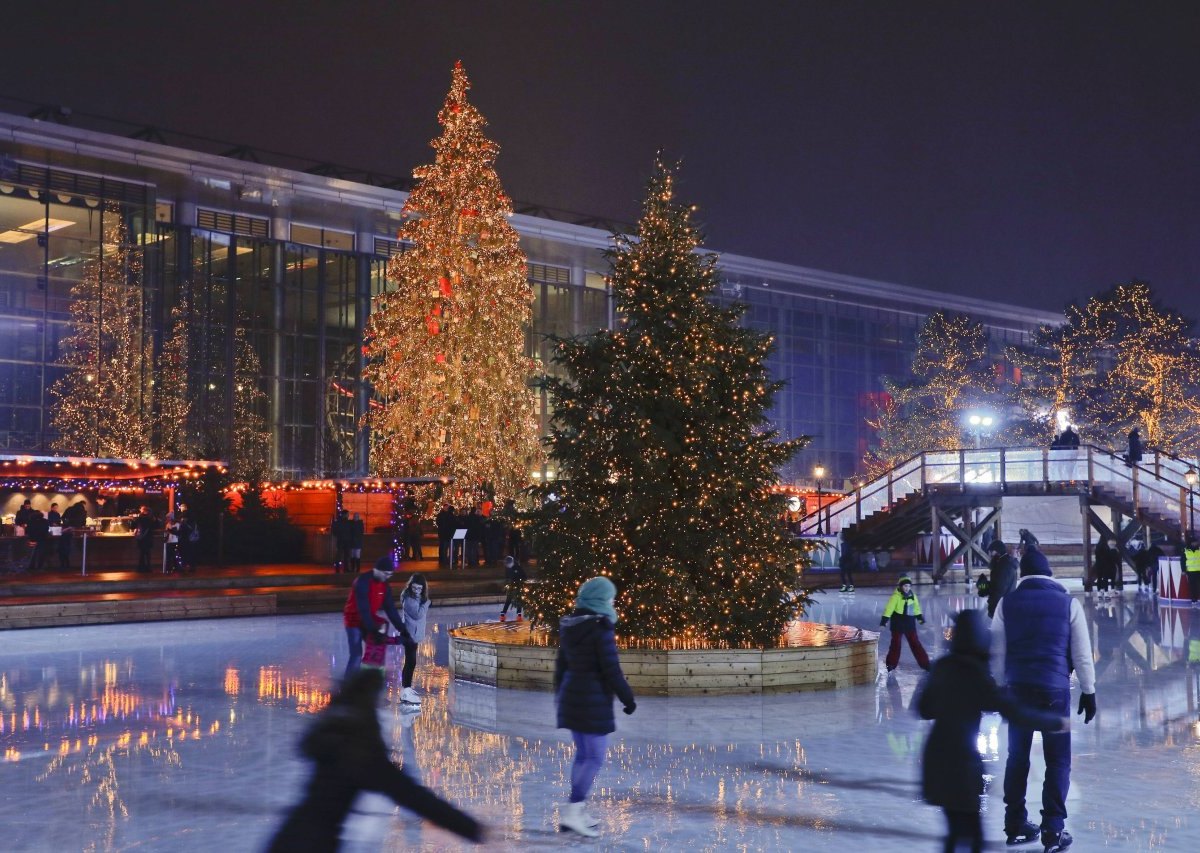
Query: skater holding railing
[(370, 593)]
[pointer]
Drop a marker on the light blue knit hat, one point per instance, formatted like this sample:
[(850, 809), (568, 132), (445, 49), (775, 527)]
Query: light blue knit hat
[(597, 595)]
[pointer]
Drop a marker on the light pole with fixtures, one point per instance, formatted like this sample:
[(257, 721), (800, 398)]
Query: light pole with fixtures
[(978, 422), (819, 474)]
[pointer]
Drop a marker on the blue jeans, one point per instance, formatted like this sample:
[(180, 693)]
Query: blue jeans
[(354, 638), (589, 758), (1056, 749)]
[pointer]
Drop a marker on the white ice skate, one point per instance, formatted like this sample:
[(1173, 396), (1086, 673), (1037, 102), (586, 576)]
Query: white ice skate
[(410, 696), (574, 819)]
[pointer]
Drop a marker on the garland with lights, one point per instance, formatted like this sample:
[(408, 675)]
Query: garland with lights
[(667, 463), (445, 346)]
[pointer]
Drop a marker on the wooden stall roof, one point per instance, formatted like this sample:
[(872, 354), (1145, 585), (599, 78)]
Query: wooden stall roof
[(25, 470)]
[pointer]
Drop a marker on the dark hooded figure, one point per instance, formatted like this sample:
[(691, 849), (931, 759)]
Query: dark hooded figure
[(955, 695), (1134, 454), (1003, 569), (346, 744)]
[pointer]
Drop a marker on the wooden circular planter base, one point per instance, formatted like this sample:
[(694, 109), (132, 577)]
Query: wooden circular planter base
[(814, 657)]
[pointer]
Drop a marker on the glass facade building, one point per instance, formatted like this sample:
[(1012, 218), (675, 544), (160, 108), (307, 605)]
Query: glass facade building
[(293, 259)]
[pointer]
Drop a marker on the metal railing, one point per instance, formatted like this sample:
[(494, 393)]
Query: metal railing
[(1157, 484)]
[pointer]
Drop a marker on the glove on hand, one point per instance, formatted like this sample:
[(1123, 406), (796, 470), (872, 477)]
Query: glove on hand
[(883, 622), (1087, 707), (630, 708), (921, 619), (376, 637)]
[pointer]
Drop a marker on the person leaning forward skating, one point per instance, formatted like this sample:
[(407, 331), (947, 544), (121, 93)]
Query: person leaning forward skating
[(903, 611), (587, 675), (1039, 633), (346, 746), (370, 593)]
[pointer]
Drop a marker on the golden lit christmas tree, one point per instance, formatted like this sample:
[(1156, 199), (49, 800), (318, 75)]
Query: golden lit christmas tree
[(102, 406), (445, 347), (666, 458)]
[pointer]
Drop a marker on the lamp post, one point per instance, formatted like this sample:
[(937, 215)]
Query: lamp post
[(1191, 476), (978, 422), (819, 474)]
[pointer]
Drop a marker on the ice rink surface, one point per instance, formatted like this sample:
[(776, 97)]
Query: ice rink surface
[(181, 737)]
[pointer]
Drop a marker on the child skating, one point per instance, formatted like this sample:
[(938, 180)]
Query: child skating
[(904, 611)]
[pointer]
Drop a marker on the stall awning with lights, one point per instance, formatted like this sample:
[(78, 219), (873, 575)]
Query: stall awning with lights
[(80, 473)]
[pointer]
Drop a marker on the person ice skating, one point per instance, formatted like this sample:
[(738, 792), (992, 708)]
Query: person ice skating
[(370, 593), (959, 689), (414, 607), (514, 573), (1106, 565), (1145, 562), (1190, 557), (847, 562), (1003, 570), (1039, 634), (587, 675), (903, 610), (346, 745)]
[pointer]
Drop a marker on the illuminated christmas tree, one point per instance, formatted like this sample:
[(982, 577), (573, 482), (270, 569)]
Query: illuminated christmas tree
[(445, 345), (176, 440), (103, 405), (665, 456)]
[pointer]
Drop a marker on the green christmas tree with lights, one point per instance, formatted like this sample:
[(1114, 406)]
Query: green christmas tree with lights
[(666, 460)]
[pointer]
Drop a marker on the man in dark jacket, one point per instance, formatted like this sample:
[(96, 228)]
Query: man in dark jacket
[(346, 746), (1145, 562), (143, 536), (1039, 634), (37, 533), (343, 537), (1002, 573), (444, 521)]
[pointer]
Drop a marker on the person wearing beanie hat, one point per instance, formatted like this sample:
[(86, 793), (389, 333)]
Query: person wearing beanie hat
[(1034, 562), (370, 593), (959, 689), (1003, 570), (587, 675), (1039, 634), (514, 575), (903, 610)]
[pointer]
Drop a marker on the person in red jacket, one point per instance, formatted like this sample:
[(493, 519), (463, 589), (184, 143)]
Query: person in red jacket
[(370, 593)]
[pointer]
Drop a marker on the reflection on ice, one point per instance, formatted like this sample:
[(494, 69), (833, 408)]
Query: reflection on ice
[(183, 736)]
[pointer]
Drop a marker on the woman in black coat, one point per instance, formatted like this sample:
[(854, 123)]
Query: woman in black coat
[(347, 746), (587, 675), (1107, 565), (956, 693)]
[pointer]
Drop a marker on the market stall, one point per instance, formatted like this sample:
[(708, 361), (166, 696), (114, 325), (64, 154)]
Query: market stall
[(87, 505)]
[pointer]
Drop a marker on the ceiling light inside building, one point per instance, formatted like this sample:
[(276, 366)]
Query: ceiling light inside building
[(31, 230)]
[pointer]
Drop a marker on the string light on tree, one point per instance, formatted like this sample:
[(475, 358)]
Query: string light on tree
[(666, 464), (445, 344)]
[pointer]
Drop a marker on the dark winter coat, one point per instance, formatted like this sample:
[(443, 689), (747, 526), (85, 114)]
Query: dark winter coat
[(1134, 453), (958, 690), (1002, 578), (350, 755), (587, 674), (445, 522), (1108, 561)]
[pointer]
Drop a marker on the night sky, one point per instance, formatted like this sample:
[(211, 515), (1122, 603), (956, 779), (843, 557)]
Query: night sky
[(1031, 152)]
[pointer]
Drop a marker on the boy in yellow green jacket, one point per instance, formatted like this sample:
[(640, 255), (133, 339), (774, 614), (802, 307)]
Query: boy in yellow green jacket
[(904, 611)]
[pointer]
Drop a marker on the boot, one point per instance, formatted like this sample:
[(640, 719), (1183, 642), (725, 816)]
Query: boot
[(572, 819), (1022, 835), (1056, 841)]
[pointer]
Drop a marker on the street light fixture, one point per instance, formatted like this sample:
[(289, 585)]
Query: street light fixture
[(1191, 476), (819, 474), (978, 423)]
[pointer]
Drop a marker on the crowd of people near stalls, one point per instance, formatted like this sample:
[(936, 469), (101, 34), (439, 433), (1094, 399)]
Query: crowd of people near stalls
[(49, 536)]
